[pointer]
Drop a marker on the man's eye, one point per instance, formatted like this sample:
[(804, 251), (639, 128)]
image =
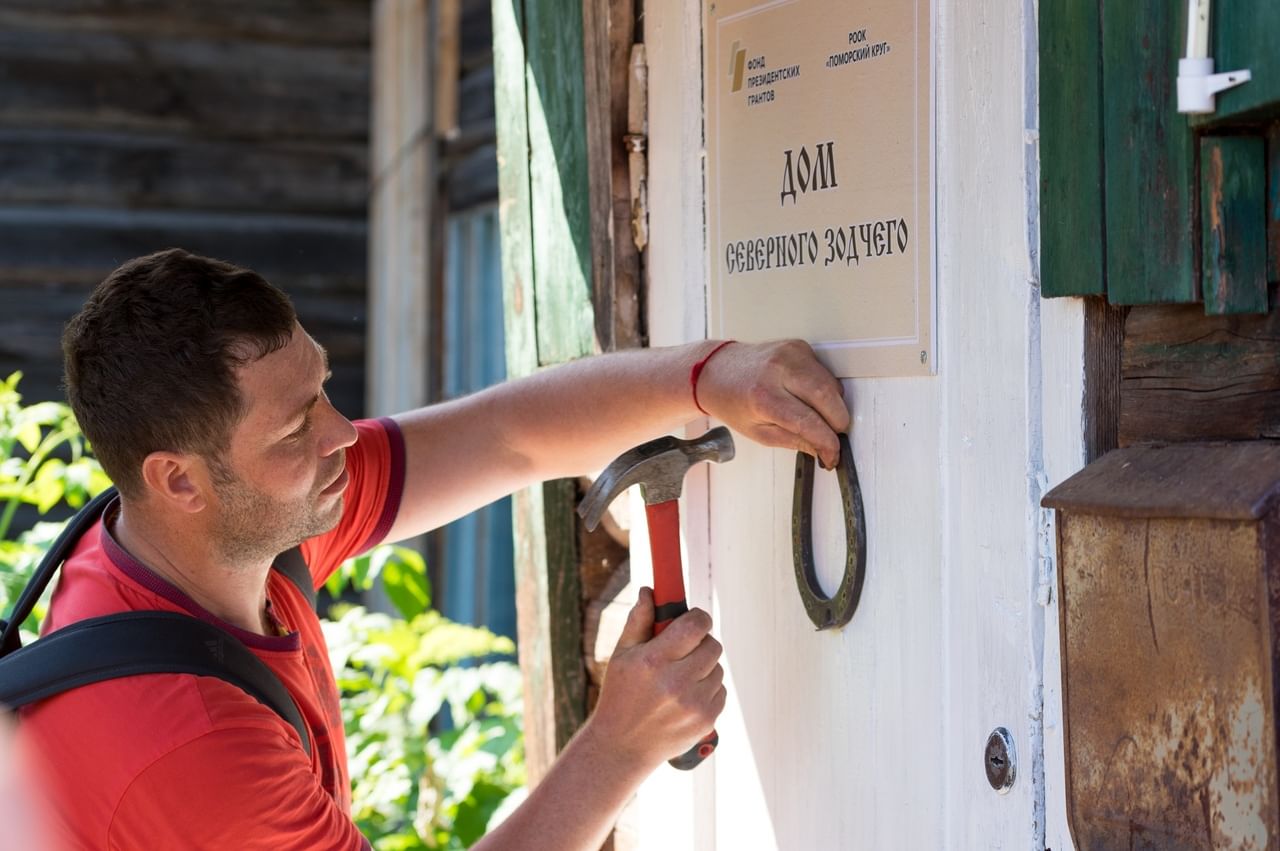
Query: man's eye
[(303, 429)]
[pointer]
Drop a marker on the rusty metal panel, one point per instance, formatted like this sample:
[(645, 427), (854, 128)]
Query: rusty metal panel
[(1169, 691)]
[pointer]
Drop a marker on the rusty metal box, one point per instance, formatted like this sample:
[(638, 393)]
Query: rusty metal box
[(1169, 604)]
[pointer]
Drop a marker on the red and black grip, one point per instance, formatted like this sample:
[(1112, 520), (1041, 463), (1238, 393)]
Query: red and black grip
[(669, 599)]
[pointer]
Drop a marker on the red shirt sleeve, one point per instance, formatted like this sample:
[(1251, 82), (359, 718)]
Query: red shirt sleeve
[(245, 788), (376, 466)]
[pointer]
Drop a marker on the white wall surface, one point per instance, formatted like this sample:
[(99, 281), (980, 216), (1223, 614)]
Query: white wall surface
[(872, 737)]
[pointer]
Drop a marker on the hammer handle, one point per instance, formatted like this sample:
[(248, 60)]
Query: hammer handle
[(669, 598)]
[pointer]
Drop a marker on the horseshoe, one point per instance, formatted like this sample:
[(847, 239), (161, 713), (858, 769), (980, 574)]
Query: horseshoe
[(835, 611)]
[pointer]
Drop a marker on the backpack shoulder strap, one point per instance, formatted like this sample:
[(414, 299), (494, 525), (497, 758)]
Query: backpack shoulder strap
[(294, 567), (132, 643), (53, 559)]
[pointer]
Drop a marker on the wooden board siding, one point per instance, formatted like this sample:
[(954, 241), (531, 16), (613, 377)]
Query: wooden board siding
[(547, 579), (1273, 203), (175, 170), (1071, 220), (1150, 157), (326, 22), (1133, 222), (1244, 36), (237, 130), (541, 60), (556, 103), (1233, 235)]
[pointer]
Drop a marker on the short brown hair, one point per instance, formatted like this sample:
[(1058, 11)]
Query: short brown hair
[(151, 358)]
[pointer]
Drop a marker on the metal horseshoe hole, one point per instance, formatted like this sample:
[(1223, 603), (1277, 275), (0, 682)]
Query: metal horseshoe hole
[(837, 610)]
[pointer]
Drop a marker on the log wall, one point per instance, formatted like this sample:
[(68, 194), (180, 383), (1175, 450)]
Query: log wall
[(237, 129)]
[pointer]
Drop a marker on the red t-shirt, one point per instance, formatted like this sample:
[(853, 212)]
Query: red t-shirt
[(163, 761)]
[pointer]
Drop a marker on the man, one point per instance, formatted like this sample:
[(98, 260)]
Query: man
[(204, 400)]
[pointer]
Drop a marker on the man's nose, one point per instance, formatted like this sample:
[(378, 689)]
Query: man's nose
[(340, 433)]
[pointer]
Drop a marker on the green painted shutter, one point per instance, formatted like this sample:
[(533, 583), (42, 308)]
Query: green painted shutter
[(546, 260), (555, 94), (1149, 156), (1072, 237), (1246, 35), (1141, 202), (1233, 232)]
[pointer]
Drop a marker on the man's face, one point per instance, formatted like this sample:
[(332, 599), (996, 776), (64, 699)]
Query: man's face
[(284, 474)]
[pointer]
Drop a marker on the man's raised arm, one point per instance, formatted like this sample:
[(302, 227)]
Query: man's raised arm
[(575, 418)]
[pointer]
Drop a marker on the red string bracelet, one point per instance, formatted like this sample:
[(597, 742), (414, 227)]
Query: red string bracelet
[(697, 371)]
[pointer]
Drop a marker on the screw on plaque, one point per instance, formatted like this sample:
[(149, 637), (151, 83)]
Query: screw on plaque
[(1001, 760)]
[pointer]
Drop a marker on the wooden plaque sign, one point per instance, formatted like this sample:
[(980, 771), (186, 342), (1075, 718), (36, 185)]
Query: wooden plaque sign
[(820, 203)]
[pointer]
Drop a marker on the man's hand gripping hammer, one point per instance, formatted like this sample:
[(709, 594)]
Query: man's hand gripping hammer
[(659, 467)]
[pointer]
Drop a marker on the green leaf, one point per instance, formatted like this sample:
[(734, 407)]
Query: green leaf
[(44, 414), (400, 842), (98, 480), (395, 674), (334, 584), (406, 587), (28, 434), (476, 810), (49, 485)]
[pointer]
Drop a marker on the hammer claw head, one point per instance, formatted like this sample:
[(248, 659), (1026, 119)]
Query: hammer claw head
[(659, 466)]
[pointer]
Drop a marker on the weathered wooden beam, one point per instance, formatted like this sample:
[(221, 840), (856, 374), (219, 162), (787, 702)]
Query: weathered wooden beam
[(1233, 224), (307, 22), (227, 89), (1187, 376), (178, 170), (609, 32), (448, 66), (32, 314), (1072, 237), (1103, 344), (628, 281), (599, 160), (402, 244), (298, 253)]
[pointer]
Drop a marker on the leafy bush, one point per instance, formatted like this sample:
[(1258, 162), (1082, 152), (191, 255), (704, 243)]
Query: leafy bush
[(432, 720), (45, 463), (418, 784)]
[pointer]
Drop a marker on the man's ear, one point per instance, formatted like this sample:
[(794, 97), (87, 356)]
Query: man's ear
[(177, 480)]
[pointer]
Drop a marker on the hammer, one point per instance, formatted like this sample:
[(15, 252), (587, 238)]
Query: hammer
[(659, 467)]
